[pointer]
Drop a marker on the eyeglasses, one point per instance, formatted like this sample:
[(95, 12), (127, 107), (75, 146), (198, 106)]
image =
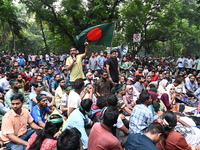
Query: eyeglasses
[(172, 89)]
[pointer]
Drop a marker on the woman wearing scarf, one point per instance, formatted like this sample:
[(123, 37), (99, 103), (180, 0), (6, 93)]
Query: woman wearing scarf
[(131, 96), (168, 98), (162, 87)]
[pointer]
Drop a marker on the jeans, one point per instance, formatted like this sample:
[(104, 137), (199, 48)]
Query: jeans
[(24, 137)]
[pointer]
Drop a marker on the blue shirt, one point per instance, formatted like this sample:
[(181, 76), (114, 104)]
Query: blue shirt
[(197, 92), (101, 60), (78, 120), (21, 61), (34, 95), (140, 142), (54, 85), (38, 114), (141, 117), (47, 77)]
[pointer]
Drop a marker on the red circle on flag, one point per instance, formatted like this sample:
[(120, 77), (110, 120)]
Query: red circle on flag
[(94, 34)]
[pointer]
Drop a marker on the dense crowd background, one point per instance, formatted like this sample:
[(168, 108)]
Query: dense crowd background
[(124, 102)]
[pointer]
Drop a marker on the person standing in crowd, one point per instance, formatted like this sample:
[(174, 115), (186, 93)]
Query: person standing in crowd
[(181, 63), (101, 136), (93, 62), (141, 117), (125, 66), (112, 67), (154, 133), (74, 64), (14, 133), (100, 62), (189, 63)]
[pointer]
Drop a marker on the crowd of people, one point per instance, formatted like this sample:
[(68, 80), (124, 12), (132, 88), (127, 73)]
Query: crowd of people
[(102, 102)]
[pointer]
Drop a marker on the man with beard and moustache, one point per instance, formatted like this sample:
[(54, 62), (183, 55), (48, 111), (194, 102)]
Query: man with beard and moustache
[(120, 89), (39, 111), (139, 85), (14, 133), (38, 90), (48, 77), (14, 89), (141, 117), (59, 92), (104, 85), (21, 82), (33, 78), (74, 64), (191, 86), (112, 67)]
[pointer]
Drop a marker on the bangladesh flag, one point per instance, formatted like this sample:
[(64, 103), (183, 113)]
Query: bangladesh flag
[(97, 35)]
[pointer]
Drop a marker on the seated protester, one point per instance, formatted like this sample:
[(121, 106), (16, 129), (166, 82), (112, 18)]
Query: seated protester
[(101, 136), (169, 98), (180, 89), (88, 93), (39, 111), (14, 89), (44, 87), (21, 82), (54, 83), (64, 100), (89, 78), (191, 86), (197, 93), (121, 105), (174, 140), (131, 96), (141, 117), (162, 87), (168, 77), (148, 80), (14, 133), (79, 119), (68, 140), (38, 90), (74, 99), (44, 138), (159, 113), (59, 92), (139, 85), (154, 133), (97, 107)]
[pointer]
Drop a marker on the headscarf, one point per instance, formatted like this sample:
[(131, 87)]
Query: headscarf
[(154, 95), (128, 97), (168, 91), (162, 87)]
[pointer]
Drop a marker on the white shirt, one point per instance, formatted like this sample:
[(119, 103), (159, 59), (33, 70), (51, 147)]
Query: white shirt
[(74, 100), (182, 62), (4, 83), (189, 63), (64, 100), (47, 57)]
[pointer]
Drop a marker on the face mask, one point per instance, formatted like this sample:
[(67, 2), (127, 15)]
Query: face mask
[(130, 93)]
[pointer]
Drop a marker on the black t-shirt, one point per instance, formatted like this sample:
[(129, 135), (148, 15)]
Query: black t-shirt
[(113, 69)]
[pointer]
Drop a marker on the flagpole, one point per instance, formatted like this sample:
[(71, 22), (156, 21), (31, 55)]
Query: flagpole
[(113, 36)]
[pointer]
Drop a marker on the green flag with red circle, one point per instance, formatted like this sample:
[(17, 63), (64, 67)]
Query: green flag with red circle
[(97, 35)]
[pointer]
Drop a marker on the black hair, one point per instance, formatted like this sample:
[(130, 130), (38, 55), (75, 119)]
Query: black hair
[(138, 77), (60, 80), (105, 52), (49, 129), (113, 51), (117, 87), (64, 70), (36, 84), (79, 84), (86, 104), (69, 139), (101, 101), (112, 100), (155, 128), (56, 75), (144, 96), (11, 81), (177, 81), (103, 71), (110, 116), (17, 96), (171, 119)]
